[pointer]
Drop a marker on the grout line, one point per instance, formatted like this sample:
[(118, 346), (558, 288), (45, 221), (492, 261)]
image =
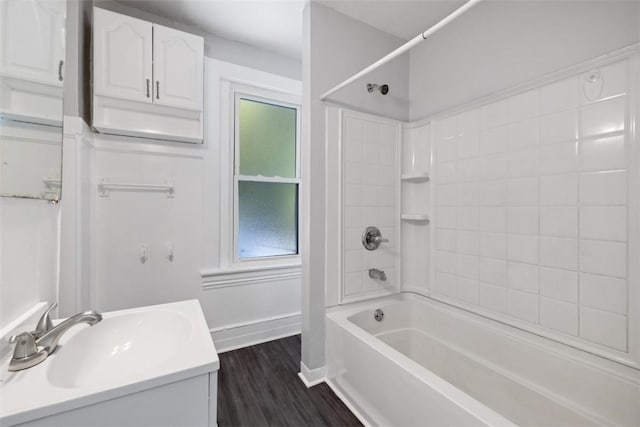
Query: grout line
[(539, 147), (578, 234)]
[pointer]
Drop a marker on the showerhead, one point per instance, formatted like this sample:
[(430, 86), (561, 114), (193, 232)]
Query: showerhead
[(384, 89)]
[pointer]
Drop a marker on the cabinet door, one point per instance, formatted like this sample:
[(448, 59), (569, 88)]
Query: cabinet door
[(122, 62), (177, 68), (32, 40)]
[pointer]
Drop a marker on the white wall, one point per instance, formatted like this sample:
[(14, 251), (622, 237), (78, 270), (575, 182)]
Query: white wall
[(238, 309), (335, 47), (101, 271), (76, 101), (76, 222), (499, 44), (340, 47), (101, 236), (28, 255)]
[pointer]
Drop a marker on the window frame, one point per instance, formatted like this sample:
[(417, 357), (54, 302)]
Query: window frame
[(278, 99)]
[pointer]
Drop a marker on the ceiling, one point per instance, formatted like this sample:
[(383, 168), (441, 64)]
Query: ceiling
[(276, 25), (401, 18)]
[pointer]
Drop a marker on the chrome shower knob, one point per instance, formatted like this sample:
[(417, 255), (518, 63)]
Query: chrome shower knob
[(371, 238)]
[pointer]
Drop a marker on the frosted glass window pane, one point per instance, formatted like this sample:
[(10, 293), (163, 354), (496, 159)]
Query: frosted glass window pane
[(268, 219), (267, 139)]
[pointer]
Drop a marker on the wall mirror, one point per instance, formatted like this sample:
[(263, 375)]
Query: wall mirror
[(32, 50)]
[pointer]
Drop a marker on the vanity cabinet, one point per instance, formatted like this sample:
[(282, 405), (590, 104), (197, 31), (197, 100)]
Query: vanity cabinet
[(188, 402), (148, 79)]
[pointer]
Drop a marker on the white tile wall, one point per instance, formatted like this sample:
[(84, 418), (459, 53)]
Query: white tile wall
[(559, 127), (493, 297), (559, 315), (603, 154), (522, 305), (604, 292), (493, 245), (492, 270), (561, 285), (603, 327), (369, 198), (531, 197), (468, 290)]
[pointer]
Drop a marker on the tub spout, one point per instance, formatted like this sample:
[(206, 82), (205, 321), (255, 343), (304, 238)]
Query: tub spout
[(376, 274)]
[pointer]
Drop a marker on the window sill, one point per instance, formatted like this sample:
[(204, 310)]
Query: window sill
[(248, 276)]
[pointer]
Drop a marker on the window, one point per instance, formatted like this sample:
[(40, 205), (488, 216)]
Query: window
[(266, 178)]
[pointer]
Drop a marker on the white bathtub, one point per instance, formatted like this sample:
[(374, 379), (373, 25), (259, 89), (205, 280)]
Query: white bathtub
[(427, 363)]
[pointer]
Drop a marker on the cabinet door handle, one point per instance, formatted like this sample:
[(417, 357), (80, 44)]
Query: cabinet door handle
[(157, 89), (148, 89), (60, 65)]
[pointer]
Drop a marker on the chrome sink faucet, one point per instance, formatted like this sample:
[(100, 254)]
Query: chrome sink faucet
[(34, 347)]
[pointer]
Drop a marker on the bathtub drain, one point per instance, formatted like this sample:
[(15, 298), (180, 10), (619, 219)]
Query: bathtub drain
[(378, 315)]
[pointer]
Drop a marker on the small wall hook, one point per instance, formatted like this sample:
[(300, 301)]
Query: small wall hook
[(144, 253), (169, 247)]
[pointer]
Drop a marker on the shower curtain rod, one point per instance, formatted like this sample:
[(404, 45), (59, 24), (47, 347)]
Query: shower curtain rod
[(405, 47)]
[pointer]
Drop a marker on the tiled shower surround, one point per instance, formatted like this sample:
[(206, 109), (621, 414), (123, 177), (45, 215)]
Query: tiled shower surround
[(532, 217), (370, 198)]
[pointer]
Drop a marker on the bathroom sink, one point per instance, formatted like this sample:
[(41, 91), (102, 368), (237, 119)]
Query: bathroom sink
[(120, 348), (129, 352)]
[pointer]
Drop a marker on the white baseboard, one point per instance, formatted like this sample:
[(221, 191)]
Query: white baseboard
[(311, 377), (241, 335), (364, 420)]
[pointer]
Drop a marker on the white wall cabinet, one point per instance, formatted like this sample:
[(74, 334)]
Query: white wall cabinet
[(32, 37), (33, 52), (148, 79), (122, 66), (177, 68)]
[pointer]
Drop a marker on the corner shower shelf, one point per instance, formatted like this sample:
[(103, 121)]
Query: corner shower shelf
[(415, 177), (415, 217)]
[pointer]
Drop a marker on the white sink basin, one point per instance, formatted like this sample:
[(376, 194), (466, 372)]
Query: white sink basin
[(128, 352), (120, 347)]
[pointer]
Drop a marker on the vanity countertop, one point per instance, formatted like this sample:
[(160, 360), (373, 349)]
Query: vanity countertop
[(127, 352)]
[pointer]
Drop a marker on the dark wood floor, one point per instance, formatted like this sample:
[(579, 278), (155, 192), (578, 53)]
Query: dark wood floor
[(259, 386)]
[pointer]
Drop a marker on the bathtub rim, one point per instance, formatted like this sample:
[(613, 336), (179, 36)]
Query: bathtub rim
[(621, 371), (341, 314), (456, 396)]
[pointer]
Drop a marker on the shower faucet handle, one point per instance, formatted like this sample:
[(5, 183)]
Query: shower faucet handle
[(372, 237)]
